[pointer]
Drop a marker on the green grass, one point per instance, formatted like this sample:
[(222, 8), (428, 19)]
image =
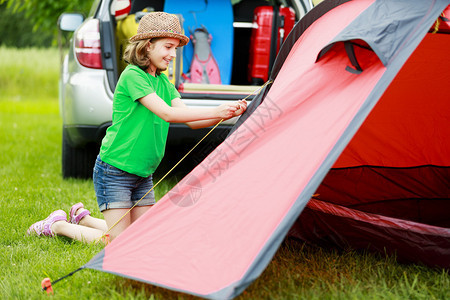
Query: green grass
[(26, 75), (32, 186)]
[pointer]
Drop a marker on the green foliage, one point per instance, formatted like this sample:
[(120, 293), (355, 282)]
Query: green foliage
[(17, 31), (32, 186), (35, 20)]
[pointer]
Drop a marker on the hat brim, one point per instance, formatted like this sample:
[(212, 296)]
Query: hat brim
[(149, 35)]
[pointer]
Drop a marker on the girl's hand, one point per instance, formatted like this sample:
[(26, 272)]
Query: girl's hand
[(241, 109), (227, 110)]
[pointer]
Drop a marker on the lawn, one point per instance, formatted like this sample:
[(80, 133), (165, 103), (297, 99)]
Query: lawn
[(32, 187)]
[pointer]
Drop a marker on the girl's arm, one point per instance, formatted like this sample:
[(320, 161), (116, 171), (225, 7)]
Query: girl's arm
[(211, 122), (183, 114)]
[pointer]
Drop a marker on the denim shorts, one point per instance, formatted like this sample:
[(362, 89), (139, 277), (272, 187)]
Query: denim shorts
[(115, 188)]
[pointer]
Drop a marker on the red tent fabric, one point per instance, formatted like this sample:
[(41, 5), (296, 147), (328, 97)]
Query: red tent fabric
[(395, 166), (217, 230)]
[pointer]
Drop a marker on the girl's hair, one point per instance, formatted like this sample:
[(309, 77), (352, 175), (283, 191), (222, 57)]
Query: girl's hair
[(136, 54)]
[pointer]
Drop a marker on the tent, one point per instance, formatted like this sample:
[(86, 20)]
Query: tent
[(357, 115)]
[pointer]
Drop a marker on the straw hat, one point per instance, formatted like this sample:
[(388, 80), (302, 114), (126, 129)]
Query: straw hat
[(160, 24)]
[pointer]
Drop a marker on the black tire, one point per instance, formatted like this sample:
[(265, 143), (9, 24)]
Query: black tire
[(77, 162)]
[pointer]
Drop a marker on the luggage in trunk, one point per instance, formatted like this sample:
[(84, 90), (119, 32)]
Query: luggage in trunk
[(271, 25)]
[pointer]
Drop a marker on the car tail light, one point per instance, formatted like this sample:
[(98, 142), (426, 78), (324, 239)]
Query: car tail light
[(87, 45)]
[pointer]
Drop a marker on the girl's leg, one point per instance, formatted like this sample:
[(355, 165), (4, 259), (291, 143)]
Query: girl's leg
[(95, 223), (90, 221), (112, 216), (139, 211), (77, 232)]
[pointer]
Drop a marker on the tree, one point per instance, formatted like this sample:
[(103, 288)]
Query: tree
[(13, 23), (44, 14)]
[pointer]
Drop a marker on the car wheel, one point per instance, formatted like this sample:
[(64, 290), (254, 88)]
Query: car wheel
[(77, 162)]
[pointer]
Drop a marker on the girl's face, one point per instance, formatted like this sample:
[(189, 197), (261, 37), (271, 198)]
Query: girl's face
[(162, 51)]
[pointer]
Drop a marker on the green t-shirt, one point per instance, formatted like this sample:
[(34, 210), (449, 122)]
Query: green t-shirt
[(136, 140)]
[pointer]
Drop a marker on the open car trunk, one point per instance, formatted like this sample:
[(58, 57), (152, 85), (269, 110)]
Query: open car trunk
[(243, 38)]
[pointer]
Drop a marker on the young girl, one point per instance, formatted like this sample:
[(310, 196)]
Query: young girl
[(145, 102)]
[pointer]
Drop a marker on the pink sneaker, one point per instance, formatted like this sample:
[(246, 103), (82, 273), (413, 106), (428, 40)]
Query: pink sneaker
[(44, 227), (75, 219)]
